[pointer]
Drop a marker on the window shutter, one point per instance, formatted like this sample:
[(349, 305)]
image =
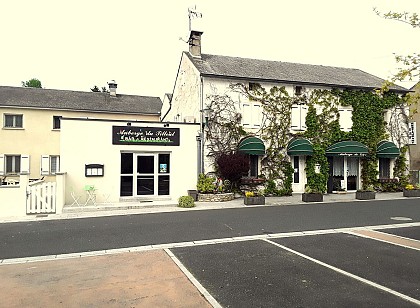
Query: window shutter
[(24, 163), (345, 119), (295, 117), (247, 114), (45, 164), (257, 115), (303, 113), (1, 164)]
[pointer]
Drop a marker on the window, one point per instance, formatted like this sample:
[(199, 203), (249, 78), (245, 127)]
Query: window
[(384, 168), (296, 169), (50, 164), (14, 164), (253, 164), (254, 86), (298, 90), (346, 121), (145, 174), (56, 122), (298, 116), (13, 120), (252, 115)]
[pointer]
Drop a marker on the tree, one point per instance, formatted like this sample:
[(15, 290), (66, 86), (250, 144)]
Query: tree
[(32, 83), (410, 63)]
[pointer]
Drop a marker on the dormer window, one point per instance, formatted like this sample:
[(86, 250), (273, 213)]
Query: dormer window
[(298, 90)]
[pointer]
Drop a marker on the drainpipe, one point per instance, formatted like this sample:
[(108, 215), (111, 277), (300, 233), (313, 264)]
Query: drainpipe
[(170, 107), (202, 128)]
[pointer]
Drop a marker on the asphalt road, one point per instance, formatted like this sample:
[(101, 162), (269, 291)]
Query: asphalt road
[(27, 239)]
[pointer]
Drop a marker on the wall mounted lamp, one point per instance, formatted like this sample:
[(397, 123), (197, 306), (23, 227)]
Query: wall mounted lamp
[(206, 113)]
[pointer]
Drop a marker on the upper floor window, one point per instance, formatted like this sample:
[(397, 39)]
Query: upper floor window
[(298, 90), (56, 122), (346, 121), (252, 115), (298, 116), (13, 120), (254, 86)]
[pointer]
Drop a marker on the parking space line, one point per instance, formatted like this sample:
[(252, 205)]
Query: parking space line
[(387, 238), (371, 283), (193, 280)]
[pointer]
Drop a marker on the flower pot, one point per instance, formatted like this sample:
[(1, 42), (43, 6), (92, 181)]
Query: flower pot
[(312, 197), (365, 195), (411, 193), (193, 193), (257, 200)]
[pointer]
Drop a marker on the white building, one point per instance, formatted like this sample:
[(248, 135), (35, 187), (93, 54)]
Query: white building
[(202, 75)]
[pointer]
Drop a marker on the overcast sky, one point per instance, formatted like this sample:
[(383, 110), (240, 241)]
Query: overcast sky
[(74, 45)]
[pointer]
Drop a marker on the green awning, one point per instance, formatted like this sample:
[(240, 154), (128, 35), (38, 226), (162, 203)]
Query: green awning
[(252, 145), (387, 149), (299, 147), (347, 148)]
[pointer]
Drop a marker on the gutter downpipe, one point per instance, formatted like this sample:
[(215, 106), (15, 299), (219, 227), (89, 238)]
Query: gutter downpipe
[(202, 128)]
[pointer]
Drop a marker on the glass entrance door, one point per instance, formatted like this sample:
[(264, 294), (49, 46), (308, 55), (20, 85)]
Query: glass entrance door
[(345, 173), (352, 172), (145, 174)]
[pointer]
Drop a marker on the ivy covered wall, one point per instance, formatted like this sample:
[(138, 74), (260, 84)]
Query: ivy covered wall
[(322, 129)]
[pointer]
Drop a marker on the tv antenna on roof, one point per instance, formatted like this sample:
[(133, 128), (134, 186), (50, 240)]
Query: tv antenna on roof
[(192, 13)]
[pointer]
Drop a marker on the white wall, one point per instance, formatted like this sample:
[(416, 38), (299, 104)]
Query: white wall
[(186, 94), (13, 198), (86, 142)]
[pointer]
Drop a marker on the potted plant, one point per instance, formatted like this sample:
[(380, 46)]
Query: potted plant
[(252, 198), (411, 190), (312, 195), (368, 193)]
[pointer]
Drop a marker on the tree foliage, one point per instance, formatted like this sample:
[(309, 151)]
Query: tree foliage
[(32, 83), (232, 166), (410, 64)]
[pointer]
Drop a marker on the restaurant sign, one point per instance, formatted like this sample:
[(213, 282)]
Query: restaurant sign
[(135, 135)]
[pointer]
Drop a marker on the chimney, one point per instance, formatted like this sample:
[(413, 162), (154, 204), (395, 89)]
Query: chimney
[(195, 43), (112, 88)]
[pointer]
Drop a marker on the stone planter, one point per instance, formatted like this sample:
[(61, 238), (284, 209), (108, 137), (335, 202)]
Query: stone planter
[(411, 193), (215, 197), (312, 197), (257, 200), (365, 195)]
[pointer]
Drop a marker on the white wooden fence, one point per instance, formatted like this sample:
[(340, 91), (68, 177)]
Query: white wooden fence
[(41, 197)]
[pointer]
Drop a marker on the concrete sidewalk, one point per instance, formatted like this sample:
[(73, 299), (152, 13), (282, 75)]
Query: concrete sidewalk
[(132, 208)]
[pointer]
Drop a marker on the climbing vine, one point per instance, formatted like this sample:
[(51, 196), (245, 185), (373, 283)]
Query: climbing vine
[(275, 131), (322, 129), (369, 126)]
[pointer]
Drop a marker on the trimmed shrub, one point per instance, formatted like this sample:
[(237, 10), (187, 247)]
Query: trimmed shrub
[(186, 201), (206, 184)]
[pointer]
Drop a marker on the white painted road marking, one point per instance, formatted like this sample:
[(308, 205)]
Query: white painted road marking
[(193, 280), (371, 283)]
